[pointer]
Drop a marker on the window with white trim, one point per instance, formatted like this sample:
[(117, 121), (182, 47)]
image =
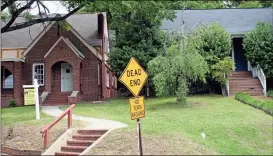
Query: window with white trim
[(38, 73), (99, 73), (7, 79), (107, 79)]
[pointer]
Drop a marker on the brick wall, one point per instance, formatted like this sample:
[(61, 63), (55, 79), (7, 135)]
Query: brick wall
[(56, 77), (6, 95)]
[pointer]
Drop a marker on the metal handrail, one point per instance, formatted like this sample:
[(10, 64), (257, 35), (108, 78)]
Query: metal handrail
[(45, 130)]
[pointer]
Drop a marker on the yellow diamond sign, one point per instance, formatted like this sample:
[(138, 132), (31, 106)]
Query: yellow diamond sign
[(133, 77)]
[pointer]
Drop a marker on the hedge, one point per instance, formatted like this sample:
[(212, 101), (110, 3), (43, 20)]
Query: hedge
[(266, 106)]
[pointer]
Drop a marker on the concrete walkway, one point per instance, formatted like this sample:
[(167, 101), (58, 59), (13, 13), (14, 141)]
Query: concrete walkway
[(94, 123)]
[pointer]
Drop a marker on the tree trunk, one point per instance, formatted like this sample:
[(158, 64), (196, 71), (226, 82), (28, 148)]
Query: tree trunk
[(224, 90)]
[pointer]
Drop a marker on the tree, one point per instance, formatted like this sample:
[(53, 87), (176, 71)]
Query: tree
[(171, 73), (258, 44), (16, 8), (218, 4), (125, 11), (249, 4), (137, 27), (221, 70), (213, 42)]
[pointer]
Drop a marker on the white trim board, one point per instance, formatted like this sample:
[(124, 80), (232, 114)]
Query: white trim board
[(12, 59), (70, 45)]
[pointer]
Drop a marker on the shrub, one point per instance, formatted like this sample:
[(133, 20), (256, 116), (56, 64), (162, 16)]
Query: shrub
[(12, 103), (266, 106), (270, 93), (259, 48)]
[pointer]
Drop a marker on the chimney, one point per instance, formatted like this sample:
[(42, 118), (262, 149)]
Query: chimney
[(100, 25)]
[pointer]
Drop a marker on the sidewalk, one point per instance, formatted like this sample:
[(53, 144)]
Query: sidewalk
[(94, 123)]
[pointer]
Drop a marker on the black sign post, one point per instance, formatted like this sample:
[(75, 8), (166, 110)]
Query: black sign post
[(139, 137)]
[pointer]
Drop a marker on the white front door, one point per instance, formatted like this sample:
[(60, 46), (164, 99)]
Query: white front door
[(66, 77)]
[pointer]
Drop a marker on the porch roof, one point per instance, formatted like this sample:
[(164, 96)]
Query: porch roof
[(235, 21)]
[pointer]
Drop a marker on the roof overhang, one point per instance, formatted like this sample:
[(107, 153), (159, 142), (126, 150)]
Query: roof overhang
[(237, 35)]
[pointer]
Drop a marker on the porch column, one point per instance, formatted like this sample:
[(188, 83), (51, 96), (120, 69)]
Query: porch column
[(76, 76), (17, 83), (47, 77), (232, 53)]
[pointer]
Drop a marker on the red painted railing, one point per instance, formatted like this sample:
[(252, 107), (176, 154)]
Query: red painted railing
[(45, 130)]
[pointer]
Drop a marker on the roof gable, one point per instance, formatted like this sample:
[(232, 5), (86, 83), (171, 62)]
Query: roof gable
[(69, 44)]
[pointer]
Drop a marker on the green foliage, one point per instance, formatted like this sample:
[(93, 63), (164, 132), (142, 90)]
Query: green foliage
[(126, 11), (213, 42), (250, 4), (170, 73), (204, 5), (5, 15), (119, 57), (28, 16), (221, 69), (64, 25), (259, 48), (266, 106), (12, 103), (270, 93), (137, 29)]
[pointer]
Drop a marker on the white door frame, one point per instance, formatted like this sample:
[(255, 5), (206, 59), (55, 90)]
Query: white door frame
[(62, 77)]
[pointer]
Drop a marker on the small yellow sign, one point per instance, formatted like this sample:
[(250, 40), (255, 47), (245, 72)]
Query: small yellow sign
[(133, 77), (137, 107), (29, 96)]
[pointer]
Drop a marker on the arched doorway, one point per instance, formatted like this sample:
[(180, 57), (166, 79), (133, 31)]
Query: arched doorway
[(62, 77)]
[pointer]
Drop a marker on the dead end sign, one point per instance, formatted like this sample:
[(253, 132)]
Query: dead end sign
[(133, 77)]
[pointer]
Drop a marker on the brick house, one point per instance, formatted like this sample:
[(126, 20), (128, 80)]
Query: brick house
[(69, 62)]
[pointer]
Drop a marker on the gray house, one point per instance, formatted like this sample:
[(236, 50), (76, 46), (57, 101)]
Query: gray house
[(237, 22)]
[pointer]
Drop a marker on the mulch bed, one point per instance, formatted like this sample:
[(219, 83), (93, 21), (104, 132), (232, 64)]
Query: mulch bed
[(28, 137)]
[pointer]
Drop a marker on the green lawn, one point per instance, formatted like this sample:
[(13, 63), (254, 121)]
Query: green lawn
[(230, 126), (25, 115)]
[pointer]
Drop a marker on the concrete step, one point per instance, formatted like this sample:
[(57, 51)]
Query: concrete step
[(86, 137), (79, 142), (92, 132), (73, 148), (67, 153)]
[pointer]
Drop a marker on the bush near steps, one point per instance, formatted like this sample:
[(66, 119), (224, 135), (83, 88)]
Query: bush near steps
[(266, 106)]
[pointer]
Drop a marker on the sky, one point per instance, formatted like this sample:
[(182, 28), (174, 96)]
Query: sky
[(53, 6)]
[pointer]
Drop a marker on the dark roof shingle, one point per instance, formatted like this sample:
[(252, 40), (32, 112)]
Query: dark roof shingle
[(235, 21), (85, 24)]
